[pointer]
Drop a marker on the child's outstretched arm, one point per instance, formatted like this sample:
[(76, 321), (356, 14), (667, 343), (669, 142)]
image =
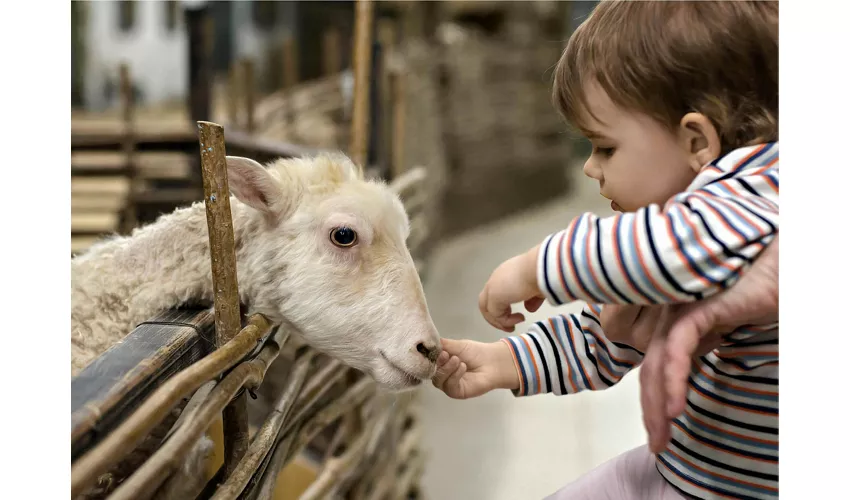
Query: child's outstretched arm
[(564, 354), (695, 246)]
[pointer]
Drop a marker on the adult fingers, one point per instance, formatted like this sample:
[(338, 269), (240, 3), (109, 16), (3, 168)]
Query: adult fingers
[(652, 395), (682, 343)]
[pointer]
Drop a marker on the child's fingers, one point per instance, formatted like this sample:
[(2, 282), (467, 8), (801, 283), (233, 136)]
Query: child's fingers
[(444, 372), (454, 379), (443, 357), (533, 304)]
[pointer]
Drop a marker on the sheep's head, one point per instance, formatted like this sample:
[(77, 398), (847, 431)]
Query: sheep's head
[(326, 252)]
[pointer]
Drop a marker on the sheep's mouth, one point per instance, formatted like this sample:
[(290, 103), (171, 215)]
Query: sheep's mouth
[(409, 378)]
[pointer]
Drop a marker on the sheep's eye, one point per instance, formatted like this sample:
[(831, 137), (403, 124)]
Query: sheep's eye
[(343, 236)]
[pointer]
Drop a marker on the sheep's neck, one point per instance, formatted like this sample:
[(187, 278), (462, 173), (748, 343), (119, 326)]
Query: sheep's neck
[(161, 266)]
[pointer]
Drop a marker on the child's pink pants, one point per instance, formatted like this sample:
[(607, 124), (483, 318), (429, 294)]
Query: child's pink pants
[(630, 476)]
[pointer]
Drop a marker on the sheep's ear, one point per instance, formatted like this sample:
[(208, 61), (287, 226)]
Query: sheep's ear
[(253, 185)]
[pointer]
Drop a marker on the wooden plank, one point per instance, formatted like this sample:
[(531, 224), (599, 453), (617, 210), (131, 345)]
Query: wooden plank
[(97, 202), (149, 165), (80, 244), (119, 380), (94, 222), (112, 185)]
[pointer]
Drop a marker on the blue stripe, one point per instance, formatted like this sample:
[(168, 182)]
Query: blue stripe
[(559, 332), (729, 402), (620, 365), (636, 263), (546, 269), (694, 247), (514, 345), (579, 263), (692, 478), (730, 390), (627, 276), (729, 437), (578, 367)]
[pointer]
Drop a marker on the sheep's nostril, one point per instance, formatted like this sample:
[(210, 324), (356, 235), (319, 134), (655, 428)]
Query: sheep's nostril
[(429, 352)]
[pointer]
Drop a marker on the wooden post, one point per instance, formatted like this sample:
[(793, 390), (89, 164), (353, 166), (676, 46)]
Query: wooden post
[(248, 91), (362, 66), (200, 72), (126, 88), (233, 96), (398, 103), (331, 56), (290, 63), (223, 261)]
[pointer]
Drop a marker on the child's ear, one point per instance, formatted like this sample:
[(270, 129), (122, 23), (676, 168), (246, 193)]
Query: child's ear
[(253, 185), (700, 140)]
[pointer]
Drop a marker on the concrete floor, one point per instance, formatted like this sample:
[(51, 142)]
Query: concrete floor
[(499, 447)]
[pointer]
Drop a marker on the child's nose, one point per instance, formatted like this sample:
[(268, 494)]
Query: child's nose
[(592, 170)]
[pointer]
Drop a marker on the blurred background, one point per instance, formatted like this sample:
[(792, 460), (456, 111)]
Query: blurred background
[(460, 88)]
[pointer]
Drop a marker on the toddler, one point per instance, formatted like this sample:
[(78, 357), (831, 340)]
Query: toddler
[(680, 103)]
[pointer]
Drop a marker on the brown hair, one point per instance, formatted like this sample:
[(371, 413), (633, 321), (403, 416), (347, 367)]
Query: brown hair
[(666, 59)]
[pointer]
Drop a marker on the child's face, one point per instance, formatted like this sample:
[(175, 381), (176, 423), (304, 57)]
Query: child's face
[(635, 159)]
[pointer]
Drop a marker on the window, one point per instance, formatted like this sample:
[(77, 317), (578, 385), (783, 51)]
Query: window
[(126, 15), (264, 14), (172, 12)]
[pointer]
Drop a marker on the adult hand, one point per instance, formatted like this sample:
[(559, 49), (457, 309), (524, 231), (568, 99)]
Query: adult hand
[(693, 329)]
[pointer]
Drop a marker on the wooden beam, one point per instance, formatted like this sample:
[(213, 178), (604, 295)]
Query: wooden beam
[(228, 319), (362, 68)]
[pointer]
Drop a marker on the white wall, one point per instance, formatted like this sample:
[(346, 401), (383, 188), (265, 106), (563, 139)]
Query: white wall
[(157, 57)]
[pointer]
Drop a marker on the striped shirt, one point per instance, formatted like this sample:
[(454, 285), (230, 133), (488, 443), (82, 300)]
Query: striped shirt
[(725, 444)]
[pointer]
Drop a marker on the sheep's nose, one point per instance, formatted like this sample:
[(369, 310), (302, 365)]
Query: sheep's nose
[(430, 351)]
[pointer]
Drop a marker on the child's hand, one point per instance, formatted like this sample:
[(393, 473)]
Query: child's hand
[(515, 280), (468, 369)]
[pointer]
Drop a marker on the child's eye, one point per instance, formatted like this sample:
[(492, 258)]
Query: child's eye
[(606, 152)]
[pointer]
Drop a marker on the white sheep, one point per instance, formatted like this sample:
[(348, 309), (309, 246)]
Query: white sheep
[(318, 247)]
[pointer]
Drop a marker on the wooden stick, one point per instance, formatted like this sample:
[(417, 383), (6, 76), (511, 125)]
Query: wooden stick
[(268, 433), (150, 476), (362, 68), (268, 481), (124, 439), (128, 145), (223, 261), (248, 92)]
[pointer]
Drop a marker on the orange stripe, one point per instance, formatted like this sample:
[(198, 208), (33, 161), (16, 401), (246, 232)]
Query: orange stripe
[(711, 255), (578, 358), (677, 473), (692, 416), (715, 474), (517, 365), (713, 397), (719, 218), (610, 354), (681, 253), (643, 264), (738, 212), (733, 386), (618, 258), (743, 353), (534, 364), (560, 264), (590, 268), (576, 280), (563, 350)]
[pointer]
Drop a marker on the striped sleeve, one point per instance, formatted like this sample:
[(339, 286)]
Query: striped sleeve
[(698, 244), (569, 353)]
